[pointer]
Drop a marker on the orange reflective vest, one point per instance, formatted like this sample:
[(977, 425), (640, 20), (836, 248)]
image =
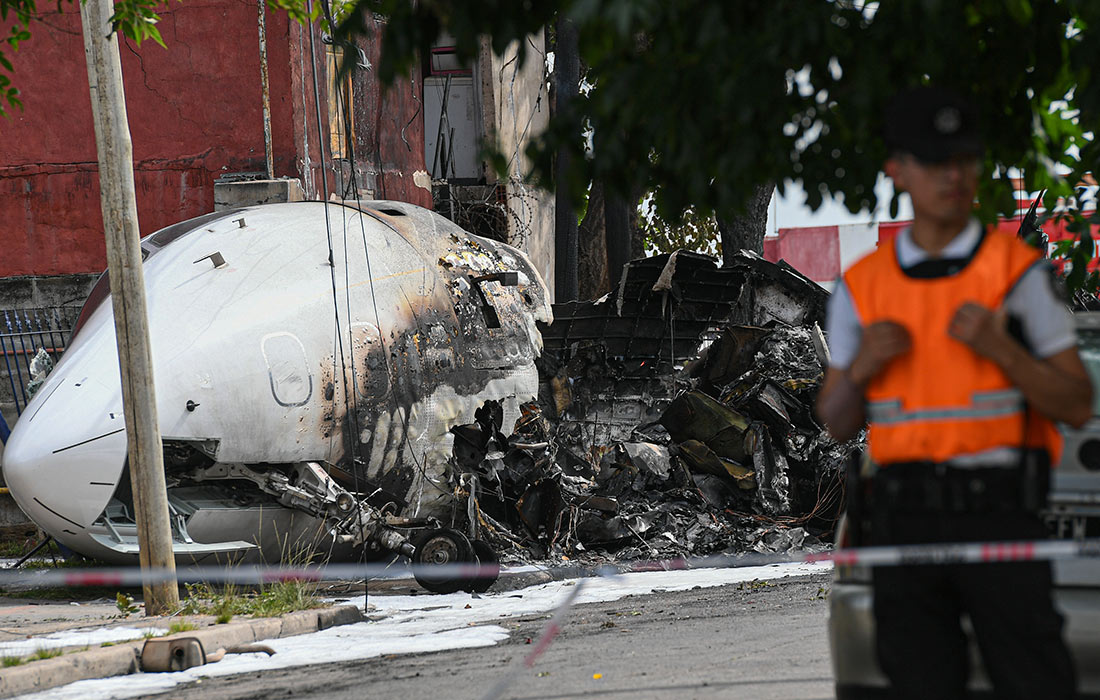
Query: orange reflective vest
[(941, 399)]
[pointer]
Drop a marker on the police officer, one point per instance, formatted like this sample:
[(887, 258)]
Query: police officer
[(952, 345)]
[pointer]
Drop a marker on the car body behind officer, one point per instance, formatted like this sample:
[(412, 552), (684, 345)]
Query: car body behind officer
[(952, 344)]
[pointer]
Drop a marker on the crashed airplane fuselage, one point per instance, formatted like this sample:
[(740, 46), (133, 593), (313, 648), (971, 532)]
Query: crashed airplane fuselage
[(309, 360)]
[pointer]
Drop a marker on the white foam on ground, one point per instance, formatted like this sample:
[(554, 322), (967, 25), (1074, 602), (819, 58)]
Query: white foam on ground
[(89, 637), (424, 623)]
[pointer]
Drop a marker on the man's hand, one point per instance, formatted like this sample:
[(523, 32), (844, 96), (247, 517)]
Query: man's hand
[(1058, 386), (881, 342), (984, 331)]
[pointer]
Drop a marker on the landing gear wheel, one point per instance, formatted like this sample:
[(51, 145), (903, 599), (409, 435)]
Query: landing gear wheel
[(441, 547), (490, 567)]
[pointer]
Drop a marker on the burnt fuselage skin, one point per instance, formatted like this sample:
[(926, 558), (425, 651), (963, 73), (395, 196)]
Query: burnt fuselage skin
[(352, 336)]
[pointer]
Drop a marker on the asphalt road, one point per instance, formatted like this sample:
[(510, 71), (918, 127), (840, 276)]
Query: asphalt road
[(763, 641)]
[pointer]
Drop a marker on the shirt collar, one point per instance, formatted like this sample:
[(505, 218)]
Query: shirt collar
[(961, 246)]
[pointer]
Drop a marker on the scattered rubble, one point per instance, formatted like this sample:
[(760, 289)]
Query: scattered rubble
[(674, 418)]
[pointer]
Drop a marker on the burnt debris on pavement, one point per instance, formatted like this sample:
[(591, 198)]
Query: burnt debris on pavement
[(674, 418)]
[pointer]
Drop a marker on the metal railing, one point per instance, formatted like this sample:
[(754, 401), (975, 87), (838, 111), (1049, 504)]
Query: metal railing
[(22, 333)]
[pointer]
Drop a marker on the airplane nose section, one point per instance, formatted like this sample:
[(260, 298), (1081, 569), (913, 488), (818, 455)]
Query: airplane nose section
[(66, 453)]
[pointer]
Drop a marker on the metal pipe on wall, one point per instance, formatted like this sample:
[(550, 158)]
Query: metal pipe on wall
[(266, 91)]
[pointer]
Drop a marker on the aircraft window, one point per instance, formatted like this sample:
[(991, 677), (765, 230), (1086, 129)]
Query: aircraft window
[(392, 212)]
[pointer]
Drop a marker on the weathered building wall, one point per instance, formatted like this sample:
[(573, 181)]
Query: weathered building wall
[(389, 132), (518, 112), (196, 114)]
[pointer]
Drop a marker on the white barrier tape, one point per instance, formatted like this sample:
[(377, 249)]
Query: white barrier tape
[(961, 553)]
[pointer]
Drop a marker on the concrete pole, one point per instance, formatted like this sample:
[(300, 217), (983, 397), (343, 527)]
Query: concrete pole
[(120, 222)]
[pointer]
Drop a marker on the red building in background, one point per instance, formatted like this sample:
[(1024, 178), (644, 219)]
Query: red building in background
[(196, 113), (822, 253)]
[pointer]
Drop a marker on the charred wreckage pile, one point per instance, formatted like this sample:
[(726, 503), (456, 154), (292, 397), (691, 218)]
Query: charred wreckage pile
[(674, 419)]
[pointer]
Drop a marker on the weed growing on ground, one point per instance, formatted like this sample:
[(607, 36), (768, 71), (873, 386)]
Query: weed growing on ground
[(125, 604), (181, 626), (8, 661), (268, 600), (43, 653), (12, 549), (20, 546)]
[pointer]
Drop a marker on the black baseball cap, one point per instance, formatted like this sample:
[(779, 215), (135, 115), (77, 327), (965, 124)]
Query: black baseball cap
[(933, 124)]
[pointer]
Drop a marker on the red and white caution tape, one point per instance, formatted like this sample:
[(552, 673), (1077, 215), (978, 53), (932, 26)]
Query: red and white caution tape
[(952, 553)]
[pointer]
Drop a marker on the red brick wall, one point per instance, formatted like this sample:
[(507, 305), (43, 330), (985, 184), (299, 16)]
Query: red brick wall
[(195, 113)]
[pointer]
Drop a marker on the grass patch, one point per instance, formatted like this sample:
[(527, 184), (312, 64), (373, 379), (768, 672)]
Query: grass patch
[(283, 597), (16, 548), (12, 549), (9, 661), (47, 653), (265, 600), (181, 626), (270, 600)]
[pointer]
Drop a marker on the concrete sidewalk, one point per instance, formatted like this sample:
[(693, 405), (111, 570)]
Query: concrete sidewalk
[(98, 641), (51, 623)]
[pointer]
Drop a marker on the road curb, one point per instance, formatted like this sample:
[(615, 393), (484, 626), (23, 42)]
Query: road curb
[(125, 658)]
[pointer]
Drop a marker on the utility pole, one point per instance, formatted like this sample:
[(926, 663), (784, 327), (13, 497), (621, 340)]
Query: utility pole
[(120, 223)]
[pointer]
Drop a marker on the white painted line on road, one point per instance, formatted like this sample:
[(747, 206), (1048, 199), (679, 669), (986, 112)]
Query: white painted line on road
[(421, 623)]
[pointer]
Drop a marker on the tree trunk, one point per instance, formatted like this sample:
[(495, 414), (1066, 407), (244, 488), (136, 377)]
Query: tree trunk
[(566, 85), (617, 222), (746, 230), (592, 269)]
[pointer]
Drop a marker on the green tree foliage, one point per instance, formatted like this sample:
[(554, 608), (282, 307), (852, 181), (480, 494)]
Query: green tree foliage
[(697, 101), (136, 19)]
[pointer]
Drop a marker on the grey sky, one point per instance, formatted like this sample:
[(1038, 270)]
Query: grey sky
[(790, 210)]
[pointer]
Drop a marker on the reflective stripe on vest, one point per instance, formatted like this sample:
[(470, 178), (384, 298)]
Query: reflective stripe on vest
[(983, 404)]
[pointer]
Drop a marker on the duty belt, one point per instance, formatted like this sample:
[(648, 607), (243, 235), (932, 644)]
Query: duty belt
[(939, 487)]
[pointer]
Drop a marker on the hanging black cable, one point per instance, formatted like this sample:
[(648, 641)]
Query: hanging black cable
[(350, 404), (326, 10)]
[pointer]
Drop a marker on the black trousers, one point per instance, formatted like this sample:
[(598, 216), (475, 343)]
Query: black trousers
[(918, 609)]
